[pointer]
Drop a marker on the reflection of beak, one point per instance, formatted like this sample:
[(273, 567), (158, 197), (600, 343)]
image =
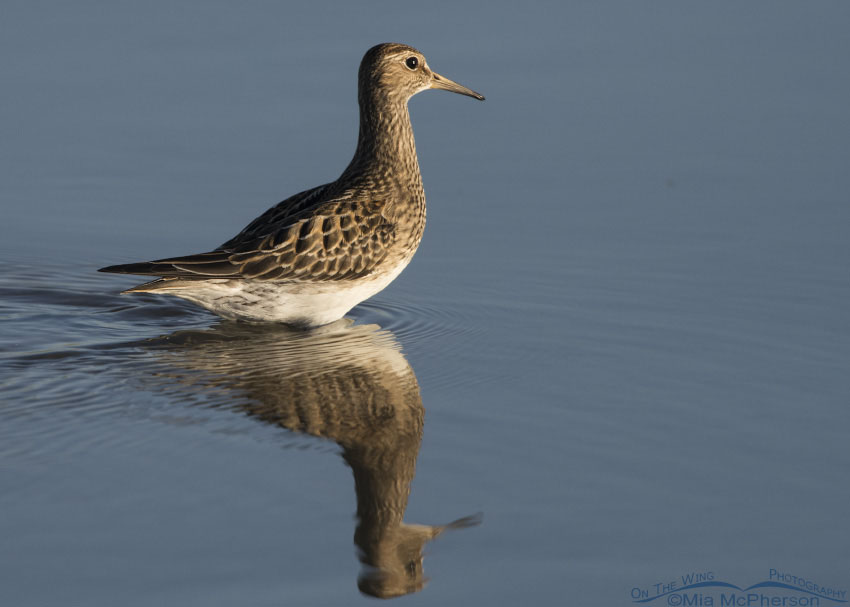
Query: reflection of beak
[(439, 82)]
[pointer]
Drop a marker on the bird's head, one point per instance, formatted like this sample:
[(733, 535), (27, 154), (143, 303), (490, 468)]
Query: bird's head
[(400, 71)]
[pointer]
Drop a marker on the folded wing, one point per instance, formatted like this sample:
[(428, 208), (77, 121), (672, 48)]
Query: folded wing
[(295, 240)]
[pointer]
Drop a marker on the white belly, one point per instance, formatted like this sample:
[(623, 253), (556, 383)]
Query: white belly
[(303, 304)]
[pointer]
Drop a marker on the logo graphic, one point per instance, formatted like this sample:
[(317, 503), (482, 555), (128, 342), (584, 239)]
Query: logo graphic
[(705, 590)]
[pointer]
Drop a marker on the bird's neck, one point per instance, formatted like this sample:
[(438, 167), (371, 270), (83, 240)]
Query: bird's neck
[(385, 144)]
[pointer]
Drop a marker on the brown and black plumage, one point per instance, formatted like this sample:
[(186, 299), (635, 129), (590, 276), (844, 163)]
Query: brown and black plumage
[(310, 259)]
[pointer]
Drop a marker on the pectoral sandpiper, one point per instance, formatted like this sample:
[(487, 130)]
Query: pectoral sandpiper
[(310, 259)]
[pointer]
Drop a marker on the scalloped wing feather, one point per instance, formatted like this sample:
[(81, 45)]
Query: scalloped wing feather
[(305, 237)]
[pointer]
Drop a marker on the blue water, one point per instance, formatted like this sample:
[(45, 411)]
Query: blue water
[(623, 348)]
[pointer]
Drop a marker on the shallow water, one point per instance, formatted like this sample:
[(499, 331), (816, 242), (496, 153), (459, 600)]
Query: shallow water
[(620, 355)]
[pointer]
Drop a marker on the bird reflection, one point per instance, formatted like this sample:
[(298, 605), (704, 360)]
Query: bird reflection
[(347, 383)]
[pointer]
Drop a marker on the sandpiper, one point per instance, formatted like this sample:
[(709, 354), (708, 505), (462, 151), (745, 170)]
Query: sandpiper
[(311, 258)]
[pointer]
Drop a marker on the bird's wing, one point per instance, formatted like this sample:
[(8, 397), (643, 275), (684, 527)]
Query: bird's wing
[(310, 236)]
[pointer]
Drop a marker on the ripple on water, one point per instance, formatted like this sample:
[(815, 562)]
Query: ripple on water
[(77, 356), (444, 336)]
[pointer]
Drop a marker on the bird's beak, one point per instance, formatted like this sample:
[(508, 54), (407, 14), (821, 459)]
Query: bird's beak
[(440, 82)]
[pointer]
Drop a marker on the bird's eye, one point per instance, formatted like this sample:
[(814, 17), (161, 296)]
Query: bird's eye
[(412, 63)]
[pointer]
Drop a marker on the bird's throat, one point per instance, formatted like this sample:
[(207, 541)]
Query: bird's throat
[(385, 143)]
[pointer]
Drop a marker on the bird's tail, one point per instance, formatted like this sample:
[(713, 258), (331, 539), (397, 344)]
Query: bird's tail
[(159, 285)]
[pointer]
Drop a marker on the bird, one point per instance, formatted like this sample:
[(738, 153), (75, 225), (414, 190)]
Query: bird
[(307, 261)]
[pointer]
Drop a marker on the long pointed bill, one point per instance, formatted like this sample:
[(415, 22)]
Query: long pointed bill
[(440, 82)]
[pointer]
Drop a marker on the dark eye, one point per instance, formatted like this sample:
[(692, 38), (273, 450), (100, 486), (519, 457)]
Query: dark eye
[(412, 63)]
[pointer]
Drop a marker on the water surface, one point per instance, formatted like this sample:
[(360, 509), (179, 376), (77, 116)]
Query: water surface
[(620, 355)]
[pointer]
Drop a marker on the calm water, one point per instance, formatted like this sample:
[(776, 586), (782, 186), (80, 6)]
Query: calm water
[(622, 353)]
